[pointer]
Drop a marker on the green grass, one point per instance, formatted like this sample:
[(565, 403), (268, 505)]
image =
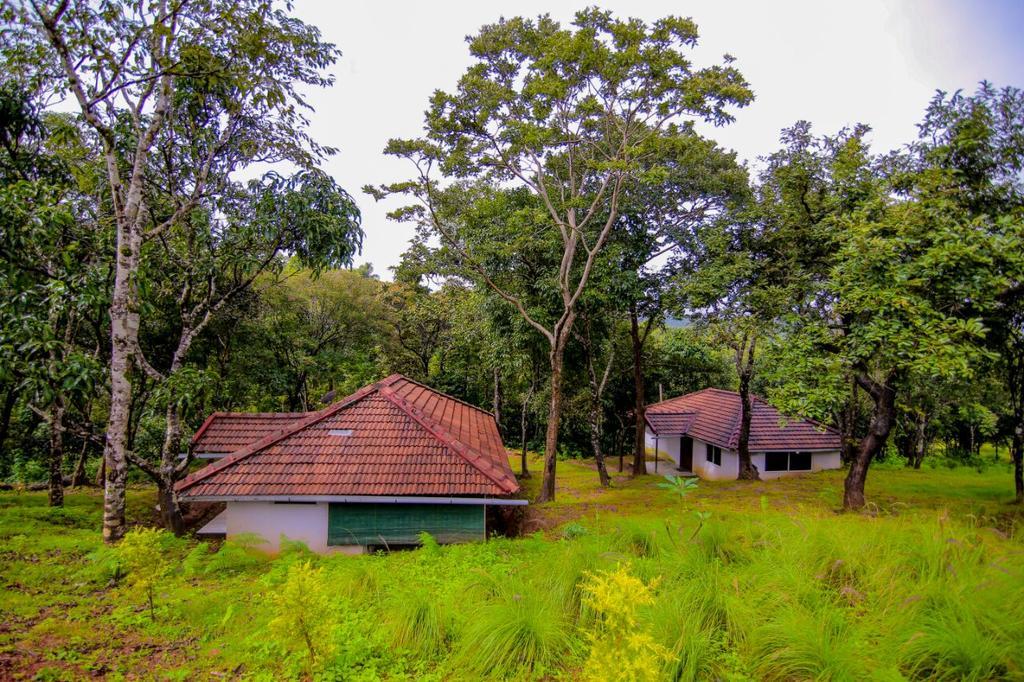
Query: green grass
[(774, 584)]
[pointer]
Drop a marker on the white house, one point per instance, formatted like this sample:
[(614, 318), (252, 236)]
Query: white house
[(699, 433)]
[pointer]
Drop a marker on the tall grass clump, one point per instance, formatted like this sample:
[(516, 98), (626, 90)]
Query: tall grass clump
[(420, 622), (523, 633), (802, 644), (690, 620), (969, 632)]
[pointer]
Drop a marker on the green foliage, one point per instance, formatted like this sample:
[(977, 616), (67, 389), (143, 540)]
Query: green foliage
[(143, 553), (679, 486), (420, 622), (619, 648), (302, 612), (522, 634), (786, 589)]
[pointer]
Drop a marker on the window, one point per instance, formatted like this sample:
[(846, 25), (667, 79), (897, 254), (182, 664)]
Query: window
[(339, 432), (714, 454), (787, 461), (799, 461)]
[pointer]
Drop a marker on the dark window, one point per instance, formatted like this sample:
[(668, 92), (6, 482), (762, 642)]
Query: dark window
[(776, 461), (714, 454), (799, 461), (787, 461)]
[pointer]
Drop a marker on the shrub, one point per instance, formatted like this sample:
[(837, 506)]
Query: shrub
[(573, 530), (619, 648), (302, 612), (143, 554)]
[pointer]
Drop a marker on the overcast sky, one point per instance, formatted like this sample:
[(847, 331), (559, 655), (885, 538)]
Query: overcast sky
[(834, 64)]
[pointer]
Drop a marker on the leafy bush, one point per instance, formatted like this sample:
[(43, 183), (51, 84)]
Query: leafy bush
[(619, 648), (302, 613), (573, 530), (143, 553)]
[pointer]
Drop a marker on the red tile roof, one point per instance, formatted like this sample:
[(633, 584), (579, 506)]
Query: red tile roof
[(225, 432), (713, 415), (670, 424), (406, 439)]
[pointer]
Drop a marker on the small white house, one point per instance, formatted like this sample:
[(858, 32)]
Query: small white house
[(699, 433), (372, 470)]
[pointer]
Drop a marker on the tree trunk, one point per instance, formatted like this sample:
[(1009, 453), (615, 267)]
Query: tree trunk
[(497, 398), (523, 423), (595, 444), (920, 439), (1017, 455), (10, 399), (170, 509), (78, 475), (848, 425), (596, 419), (56, 482), (639, 391), (101, 473), (115, 453), (547, 491), (883, 415), (745, 367)]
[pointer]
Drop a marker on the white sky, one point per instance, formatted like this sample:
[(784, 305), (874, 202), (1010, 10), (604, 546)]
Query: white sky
[(834, 64)]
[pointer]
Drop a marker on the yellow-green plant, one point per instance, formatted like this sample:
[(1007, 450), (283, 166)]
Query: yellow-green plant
[(621, 649), (143, 555), (302, 610)]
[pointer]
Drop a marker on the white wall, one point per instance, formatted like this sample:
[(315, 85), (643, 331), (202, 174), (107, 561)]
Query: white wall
[(667, 447), (303, 522), (730, 468), (728, 471)]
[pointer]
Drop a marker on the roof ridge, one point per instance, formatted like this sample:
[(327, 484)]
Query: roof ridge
[(270, 439), (437, 430), (202, 429), (446, 395)]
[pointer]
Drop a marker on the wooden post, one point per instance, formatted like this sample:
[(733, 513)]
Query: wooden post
[(655, 453)]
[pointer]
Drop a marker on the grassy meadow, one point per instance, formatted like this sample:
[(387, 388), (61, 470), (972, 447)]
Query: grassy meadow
[(734, 581)]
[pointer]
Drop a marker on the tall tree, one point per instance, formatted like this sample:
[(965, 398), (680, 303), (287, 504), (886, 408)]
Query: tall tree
[(566, 113), (975, 146), (135, 71), (897, 301), (214, 256), (51, 261), (693, 185)]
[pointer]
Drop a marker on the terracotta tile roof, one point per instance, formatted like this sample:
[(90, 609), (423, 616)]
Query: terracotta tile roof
[(405, 439), (225, 432), (665, 424), (714, 417)]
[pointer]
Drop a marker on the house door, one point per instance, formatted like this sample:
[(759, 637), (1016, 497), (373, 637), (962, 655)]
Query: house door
[(685, 454)]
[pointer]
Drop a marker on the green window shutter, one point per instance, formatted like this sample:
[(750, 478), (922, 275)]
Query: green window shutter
[(401, 524)]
